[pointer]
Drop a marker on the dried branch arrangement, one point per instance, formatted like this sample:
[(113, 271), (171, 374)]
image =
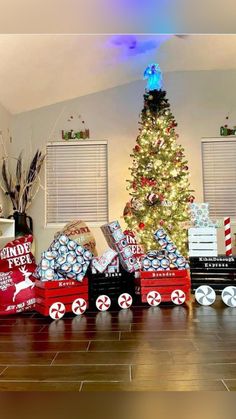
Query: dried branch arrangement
[(23, 185)]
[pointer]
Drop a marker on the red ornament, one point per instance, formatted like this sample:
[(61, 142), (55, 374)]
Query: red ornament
[(137, 148), (191, 198), (144, 181), (151, 182), (161, 222), (134, 185), (141, 226)]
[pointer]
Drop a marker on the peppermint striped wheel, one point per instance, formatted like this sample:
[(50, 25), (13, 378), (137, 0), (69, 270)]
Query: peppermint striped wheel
[(205, 295), (154, 298), (79, 306), (57, 311), (103, 302), (125, 300), (178, 297), (229, 296)]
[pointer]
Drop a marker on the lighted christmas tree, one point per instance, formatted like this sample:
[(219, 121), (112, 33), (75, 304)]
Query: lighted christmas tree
[(159, 189)]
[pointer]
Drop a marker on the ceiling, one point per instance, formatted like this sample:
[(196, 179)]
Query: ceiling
[(38, 70), (117, 16)]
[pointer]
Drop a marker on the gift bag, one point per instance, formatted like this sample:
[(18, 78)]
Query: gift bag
[(17, 264), (78, 231)]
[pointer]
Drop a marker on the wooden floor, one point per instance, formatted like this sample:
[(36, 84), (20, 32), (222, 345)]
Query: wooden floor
[(143, 349)]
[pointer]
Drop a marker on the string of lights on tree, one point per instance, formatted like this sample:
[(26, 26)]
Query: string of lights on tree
[(159, 189)]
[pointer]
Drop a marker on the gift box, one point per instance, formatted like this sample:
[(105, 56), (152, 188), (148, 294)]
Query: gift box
[(116, 239), (155, 261), (173, 254), (64, 259), (100, 264), (199, 213)]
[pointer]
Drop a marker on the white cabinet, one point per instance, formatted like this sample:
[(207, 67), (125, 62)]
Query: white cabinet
[(7, 231)]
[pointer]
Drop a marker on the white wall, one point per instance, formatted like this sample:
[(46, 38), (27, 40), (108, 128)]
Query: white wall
[(199, 100), (5, 133)]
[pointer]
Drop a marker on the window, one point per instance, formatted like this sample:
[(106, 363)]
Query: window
[(76, 182), (219, 175)]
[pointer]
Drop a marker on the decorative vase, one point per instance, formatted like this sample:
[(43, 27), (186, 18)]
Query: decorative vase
[(23, 223)]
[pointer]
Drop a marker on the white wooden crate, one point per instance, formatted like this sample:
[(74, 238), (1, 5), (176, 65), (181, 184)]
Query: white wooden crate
[(202, 241)]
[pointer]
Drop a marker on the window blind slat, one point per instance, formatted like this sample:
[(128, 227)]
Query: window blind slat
[(76, 182), (219, 176)]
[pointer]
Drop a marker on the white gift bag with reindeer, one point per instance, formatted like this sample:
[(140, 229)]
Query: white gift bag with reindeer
[(17, 264)]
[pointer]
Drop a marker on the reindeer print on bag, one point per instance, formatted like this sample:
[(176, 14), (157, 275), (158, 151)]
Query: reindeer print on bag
[(26, 283), (17, 287)]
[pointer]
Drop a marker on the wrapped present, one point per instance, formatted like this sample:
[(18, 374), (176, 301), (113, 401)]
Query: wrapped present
[(155, 261), (199, 213), (173, 254), (99, 264), (116, 239), (136, 248), (65, 259)]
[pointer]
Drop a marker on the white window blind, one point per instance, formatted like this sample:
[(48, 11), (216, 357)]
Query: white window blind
[(219, 176), (76, 182)]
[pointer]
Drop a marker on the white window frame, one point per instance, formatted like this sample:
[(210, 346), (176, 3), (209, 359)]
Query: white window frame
[(214, 140), (66, 143)]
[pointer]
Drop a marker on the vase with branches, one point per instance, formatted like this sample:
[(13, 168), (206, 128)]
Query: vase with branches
[(21, 185)]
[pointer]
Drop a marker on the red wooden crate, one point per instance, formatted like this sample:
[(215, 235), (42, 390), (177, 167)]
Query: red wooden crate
[(162, 282), (172, 273), (65, 291)]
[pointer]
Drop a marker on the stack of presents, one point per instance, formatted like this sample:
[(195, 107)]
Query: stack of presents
[(69, 278)]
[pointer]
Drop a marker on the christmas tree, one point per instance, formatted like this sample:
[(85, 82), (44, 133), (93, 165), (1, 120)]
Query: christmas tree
[(159, 190)]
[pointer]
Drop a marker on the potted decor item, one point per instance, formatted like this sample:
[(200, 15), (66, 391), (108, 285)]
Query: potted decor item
[(21, 187)]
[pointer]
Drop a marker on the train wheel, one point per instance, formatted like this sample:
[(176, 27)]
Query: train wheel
[(205, 295), (229, 296), (125, 300), (57, 310), (103, 303), (154, 298), (178, 297), (79, 306)]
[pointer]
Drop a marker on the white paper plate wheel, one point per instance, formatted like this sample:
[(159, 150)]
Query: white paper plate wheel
[(125, 300), (178, 297), (154, 298), (79, 306), (57, 311), (103, 302), (205, 295), (229, 296)]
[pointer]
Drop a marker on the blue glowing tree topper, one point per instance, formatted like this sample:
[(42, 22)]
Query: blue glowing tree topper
[(153, 76)]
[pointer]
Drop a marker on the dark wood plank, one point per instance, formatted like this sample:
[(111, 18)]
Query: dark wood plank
[(20, 329), (193, 385), (219, 345), (188, 371), (34, 346), (39, 386), (119, 358), (67, 373), (169, 335), (230, 384), (204, 357), (144, 345), (67, 336), (26, 358)]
